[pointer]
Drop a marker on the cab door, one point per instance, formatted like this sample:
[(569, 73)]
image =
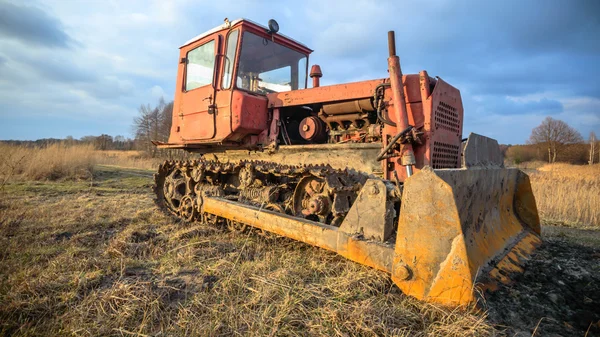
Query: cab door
[(196, 109)]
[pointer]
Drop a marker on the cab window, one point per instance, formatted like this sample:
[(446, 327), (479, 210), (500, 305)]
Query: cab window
[(266, 67), (277, 79), (228, 62), (200, 66)]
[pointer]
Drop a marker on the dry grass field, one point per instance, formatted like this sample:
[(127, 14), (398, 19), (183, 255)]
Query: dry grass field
[(568, 194), (48, 163), (127, 159), (60, 161), (84, 251)]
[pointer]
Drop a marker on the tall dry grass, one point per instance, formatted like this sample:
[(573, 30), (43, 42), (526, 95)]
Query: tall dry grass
[(139, 159), (128, 159), (52, 162), (568, 194), (62, 161)]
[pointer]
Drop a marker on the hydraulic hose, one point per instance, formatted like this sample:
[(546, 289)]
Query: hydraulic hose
[(393, 141), (379, 104)]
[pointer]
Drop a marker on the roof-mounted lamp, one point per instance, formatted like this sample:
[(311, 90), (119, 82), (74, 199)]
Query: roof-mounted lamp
[(273, 27)]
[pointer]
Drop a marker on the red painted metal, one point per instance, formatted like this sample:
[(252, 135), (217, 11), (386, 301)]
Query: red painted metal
[(324, 94), (312, 129), (316, 74)]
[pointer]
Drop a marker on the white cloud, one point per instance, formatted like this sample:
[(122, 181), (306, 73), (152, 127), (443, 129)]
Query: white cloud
[(157, 92)]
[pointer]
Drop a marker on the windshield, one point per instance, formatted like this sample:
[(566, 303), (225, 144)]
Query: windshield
[(267, 67)]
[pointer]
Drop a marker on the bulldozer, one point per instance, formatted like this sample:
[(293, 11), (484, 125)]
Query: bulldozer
[(376, 171)]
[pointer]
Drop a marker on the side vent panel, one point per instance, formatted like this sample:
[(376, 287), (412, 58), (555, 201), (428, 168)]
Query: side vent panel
[(445, 155), (447, 118)]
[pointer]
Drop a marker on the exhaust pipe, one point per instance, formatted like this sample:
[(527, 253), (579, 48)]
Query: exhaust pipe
[(399, 102)]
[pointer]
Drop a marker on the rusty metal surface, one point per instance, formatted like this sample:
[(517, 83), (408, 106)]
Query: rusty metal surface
[(258, 194), (206, 115), (372, 215), (407, 156), (457, 228), (451, 242), (255, 122), (444, 114), (481, 151), (324, 94), (315, 192), (316, 74), (357, 156), (359, 105), (247, 115)]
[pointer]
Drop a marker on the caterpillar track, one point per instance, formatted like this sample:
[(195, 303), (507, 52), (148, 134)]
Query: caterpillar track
[(317, 193)]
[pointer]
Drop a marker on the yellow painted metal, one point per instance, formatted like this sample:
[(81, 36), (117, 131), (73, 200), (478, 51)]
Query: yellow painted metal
[(462, 230), (371, 253)]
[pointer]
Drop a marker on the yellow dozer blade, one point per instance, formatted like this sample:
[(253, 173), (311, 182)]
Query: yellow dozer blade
[(459, 231)]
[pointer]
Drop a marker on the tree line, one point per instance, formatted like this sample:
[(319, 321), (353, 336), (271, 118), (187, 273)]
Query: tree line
[(102, 142), (151, 123), (555, 141)]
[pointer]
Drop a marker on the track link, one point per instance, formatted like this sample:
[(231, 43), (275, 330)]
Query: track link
[(315, 192)]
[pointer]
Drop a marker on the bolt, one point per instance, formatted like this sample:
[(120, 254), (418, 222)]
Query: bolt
[(402, 272), (305, 127), (374, 190), (314, 206), (318, 205)]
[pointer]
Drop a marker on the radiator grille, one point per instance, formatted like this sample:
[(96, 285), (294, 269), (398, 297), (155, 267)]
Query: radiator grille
[(445, 155), (447, 118)]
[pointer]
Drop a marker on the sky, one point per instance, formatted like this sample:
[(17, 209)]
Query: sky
[(77, 68)]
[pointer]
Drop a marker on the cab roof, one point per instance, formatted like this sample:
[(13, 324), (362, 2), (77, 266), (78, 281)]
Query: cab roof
[(228, 24)]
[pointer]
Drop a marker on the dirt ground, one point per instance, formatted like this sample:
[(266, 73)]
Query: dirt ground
[(559, 292)]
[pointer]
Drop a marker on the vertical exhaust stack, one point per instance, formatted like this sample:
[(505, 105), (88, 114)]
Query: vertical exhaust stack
[(399, 102)]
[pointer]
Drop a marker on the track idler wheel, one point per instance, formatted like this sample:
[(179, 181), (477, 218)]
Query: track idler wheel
[(188, 209), (311, 200), (175, 187)]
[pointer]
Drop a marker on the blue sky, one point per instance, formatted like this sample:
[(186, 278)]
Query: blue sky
[(84, 67)]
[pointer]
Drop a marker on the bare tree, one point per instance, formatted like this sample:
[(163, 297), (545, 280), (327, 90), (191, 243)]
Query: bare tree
[(554, 134), (153, 124), (593, 140), (104, 142), (88, 139)]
